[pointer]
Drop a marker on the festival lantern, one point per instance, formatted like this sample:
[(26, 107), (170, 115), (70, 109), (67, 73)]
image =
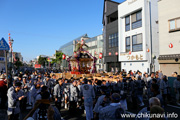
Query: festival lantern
[(64, 56), (148, 50), (170, 45), (75, 54), (129, 52), (109, 53), (116, 53), (100, 55)]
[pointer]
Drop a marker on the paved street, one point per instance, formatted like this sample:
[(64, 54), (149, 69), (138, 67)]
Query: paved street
[(79, 114)]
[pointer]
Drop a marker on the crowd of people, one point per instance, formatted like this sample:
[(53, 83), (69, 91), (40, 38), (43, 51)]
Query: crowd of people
[(100, 99)]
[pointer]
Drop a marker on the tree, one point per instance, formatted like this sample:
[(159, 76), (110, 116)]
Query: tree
[(18, 63), (42, 61), (58, 58)]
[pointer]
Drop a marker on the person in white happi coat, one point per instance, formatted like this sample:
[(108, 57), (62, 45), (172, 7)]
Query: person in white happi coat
[(73, 95), (88, 94), (14, 97)]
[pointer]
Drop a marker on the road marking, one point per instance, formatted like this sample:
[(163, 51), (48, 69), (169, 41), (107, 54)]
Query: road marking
[(173, 106)]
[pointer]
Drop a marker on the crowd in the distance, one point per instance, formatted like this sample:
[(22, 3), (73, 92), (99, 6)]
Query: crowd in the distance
[(100, 99)]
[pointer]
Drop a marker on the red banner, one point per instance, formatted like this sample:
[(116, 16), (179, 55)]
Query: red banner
[(37, 66)]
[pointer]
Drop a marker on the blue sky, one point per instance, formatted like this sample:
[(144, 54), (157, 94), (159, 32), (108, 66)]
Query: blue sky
[(42, 26)]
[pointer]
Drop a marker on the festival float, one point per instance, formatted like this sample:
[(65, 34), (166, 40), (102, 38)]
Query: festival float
[(82, 62)]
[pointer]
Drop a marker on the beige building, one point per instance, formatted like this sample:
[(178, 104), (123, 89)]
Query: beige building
[(169, 36)]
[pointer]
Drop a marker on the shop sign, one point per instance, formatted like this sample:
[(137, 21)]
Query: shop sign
[(135, 57)]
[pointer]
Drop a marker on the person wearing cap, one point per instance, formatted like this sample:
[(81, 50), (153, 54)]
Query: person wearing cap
[(87, 91), (3, 91), (112, 111), (14, 97)]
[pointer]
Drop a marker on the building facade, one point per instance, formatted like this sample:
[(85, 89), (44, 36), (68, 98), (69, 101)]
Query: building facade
[(169, 36), (95, 45), (138, 35), (110, 36)]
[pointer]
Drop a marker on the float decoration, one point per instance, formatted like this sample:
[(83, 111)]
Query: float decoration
[(82, 62)]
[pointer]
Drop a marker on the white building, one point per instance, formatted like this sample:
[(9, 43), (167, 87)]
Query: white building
[(169, 33), (138, 33)]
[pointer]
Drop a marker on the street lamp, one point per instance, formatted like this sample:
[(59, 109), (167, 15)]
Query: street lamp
[(11, 41), (12, 49)]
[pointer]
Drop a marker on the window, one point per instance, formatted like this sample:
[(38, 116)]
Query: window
[(117, 43), (127, 21), (174, 25), (110, 41), (113, 17), (137, 43), (2, 53), (136, 20), (178, 23), (113, 40), (127, 44)]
